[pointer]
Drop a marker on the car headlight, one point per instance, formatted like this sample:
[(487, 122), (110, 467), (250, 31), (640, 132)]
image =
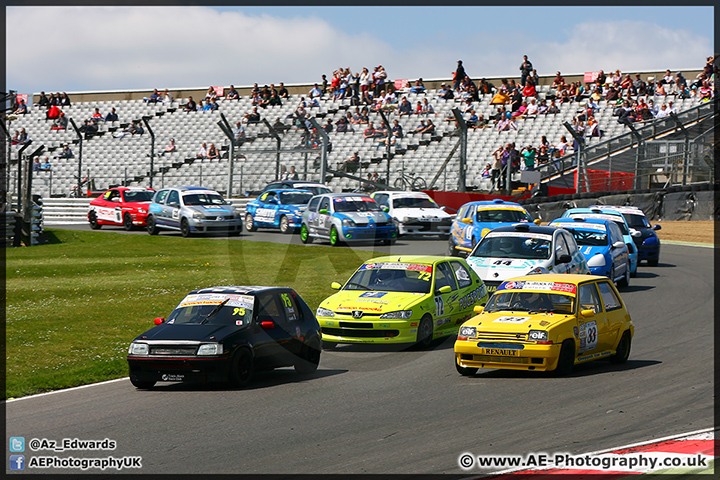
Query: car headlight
[(538, 270), (138, 349), (198, 215), (347, 222), (238, 214), (597, 260), (399, 315), (408, 219), (142, 210), (538, 335), (324, 312), (467, 332), (210, 349)]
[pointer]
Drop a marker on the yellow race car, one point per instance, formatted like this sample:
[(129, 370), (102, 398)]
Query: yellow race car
[(401, 299), (546, 322)]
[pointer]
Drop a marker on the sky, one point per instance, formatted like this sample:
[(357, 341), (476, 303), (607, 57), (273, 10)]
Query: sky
[(129, 48)]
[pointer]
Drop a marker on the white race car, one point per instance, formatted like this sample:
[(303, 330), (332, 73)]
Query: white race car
[(415, 213)]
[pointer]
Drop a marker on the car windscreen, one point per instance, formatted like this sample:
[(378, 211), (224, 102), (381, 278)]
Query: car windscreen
[(295, 198), (413, 202), (515, 301), (355, 204), (502, 215), (392, 277), (636, 221), (591, 238), (138, 196), (203, 199), (213, 309), (618, 219), (514, 245)]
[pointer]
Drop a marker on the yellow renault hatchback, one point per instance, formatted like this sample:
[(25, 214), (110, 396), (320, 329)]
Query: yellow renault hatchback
[(547, 322)]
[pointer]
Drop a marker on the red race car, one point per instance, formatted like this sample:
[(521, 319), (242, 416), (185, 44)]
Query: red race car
[(126, 206)]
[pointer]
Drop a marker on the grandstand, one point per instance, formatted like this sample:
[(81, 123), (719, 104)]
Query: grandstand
[(112, 161)]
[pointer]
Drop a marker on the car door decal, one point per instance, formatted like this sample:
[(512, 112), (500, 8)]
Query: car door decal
[(588, 336), (176, 213), (439, 306)]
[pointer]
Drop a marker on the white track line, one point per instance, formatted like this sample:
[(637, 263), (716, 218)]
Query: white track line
[(66, 390)]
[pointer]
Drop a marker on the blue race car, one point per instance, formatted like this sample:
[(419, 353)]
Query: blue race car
[(602, 244), (646, 240), (475, 219), (597, 211), (281, 208)]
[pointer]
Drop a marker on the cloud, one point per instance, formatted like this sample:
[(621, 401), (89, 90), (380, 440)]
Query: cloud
[(118, 48)]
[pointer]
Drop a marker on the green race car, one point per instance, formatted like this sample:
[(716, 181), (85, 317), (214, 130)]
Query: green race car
[(401, 299)]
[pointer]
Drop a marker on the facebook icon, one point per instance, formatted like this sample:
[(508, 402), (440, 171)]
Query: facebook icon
[(17, 462)]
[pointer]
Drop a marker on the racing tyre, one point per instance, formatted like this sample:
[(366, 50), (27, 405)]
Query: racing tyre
[(425, 332), (390, 241), (92, 218), (285, 225), (623, 349), (242, 369), (310, 359), (127, 222), (328, 345), (185, 228), (566, 360), (305, 235), (451, 248), (625, 281), (141, 384), (151, 226), (465, 371), (249, 223), (334, 237)]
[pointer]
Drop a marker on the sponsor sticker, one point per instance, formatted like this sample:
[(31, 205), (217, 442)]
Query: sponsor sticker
[(543, 286), (235, 300), (519, 234), (397, 266), (511, 319)]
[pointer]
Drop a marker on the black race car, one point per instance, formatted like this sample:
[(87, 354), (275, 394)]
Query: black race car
[(225, 334)]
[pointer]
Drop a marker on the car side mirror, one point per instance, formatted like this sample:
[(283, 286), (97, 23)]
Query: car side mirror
[(445, 289), (657, 227), (173, 204), (385, 209), (267, 325), (537, 221), (116, 199), (273, 201), (588, 313), (324, 211), (159, 320), (466, 220), (478, 309), (565, 258), (335, 286), (618, 244)]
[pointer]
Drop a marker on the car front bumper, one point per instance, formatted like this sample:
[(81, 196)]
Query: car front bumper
[(529, 357), (364, 234), (368, 331), (424, 228), (215, 226), (180, 369)]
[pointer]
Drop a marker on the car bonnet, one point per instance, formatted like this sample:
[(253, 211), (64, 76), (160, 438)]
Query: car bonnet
[(500, 269), (373, 302)]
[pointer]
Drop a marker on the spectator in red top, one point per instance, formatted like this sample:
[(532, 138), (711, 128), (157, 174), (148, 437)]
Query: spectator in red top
[(529, 90), (558, 81)]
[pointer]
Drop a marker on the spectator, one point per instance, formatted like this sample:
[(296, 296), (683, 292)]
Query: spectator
[(112, 116), (315, 92), (89, 129), (167, 99), (486, 172), (427, 108), (664, 111), (43, 101), (60, 122), (459, 75), (293, 175), (371, 132), (516, 100), (203, 152), (21, 108), (420, 127), (328, 126), (283, 92), (96, 116), (532, 109), (343, 124), (429, 128), (639, 84), (445, 93), (232, 94), (15, 140), (170, 148), (529, 154), (558, 81), (65, 152), (529, 89), (497, 179), (397, 130), (526, 68), (213, 152), (239, 133), (64, 100), (506, 124), (485, 87), (680, 81), (45, 165), (405, 108), (212, 105), (36, 164), (553, 109), (379, 76), (53, 100), (521, 111), (419, 87), (612, 94), (668, 81), (500, 98), (351, 164), (543, 107), (210, 94), (190, 106), (593, 127), (153, 98), (671, 108), (365, 79), (254, 116)]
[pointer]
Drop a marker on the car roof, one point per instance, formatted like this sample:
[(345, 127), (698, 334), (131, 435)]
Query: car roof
[(497, 202), (239, 289), (410, 259), (292, 190), (404, 194), (342, 195), (298, 182), (526, 227), (574, 278), (578, 221), (621, 208)]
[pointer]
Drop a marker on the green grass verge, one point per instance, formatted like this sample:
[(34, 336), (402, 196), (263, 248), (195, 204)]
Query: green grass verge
[(74, 305)]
